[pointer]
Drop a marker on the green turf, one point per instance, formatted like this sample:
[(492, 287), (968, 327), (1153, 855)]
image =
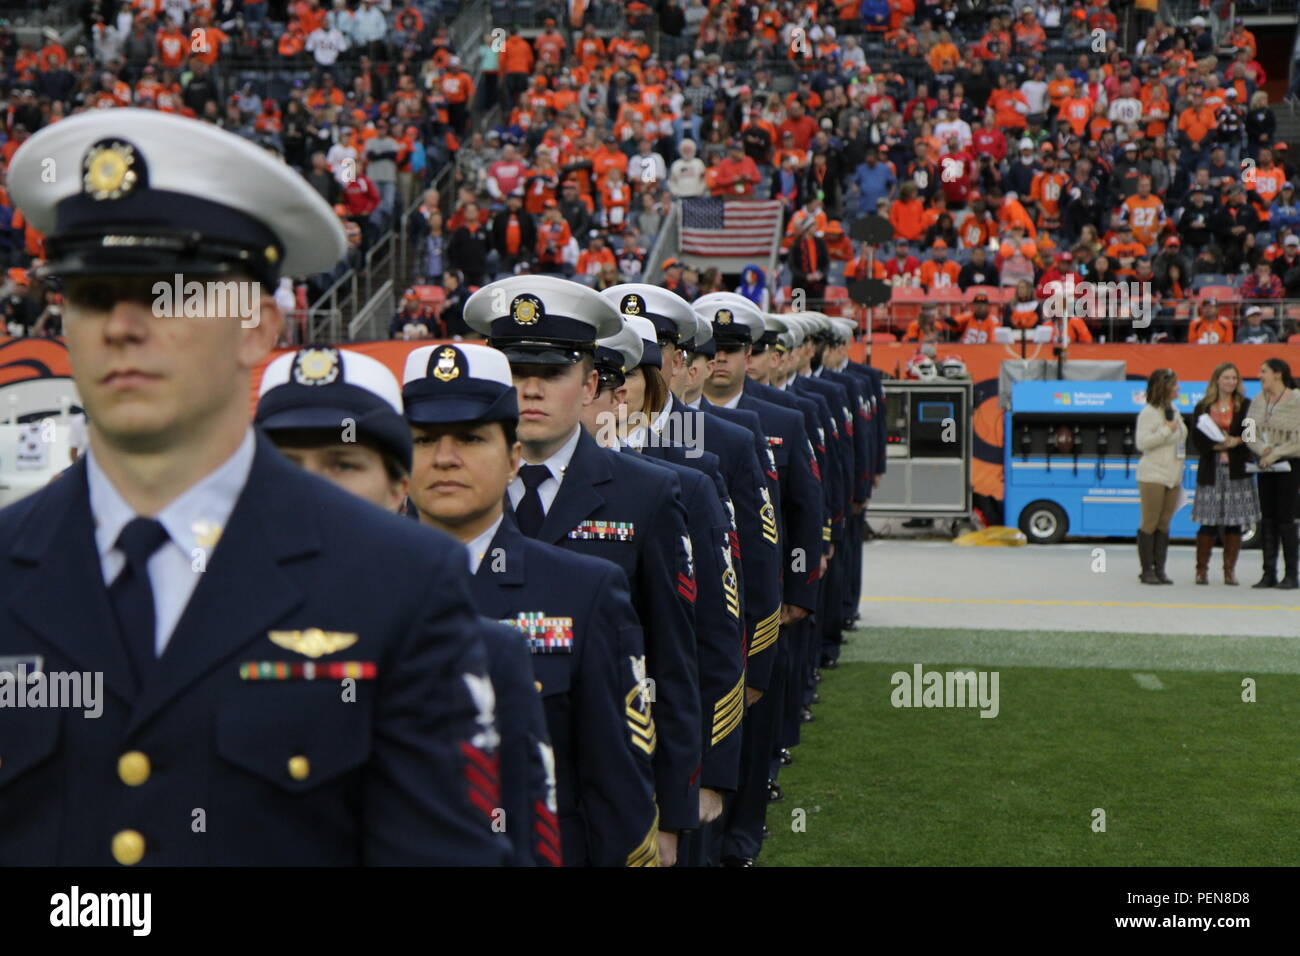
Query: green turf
[(1187, 775)]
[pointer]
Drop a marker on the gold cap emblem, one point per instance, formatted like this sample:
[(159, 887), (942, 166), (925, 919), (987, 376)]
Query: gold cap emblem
[(312, 642), (446, 368), (526, 310), (316, 367), (108, 171), (722, 317)]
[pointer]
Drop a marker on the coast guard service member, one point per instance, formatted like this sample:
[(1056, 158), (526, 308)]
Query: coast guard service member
[(737, 323), (711, 582), (226, 596), (572, 493), (338, 414), (572, 612)]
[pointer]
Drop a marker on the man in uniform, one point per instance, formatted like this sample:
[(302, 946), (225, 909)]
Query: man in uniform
[(755, 544), (572, 493), (348, 428), (712, 583), (736, 324), (226, 597), (572, 612)]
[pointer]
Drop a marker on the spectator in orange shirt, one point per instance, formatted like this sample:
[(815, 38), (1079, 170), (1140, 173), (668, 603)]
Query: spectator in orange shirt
[(1195, 126), (595, 257), (907, 214), (1210, 327), (929, 326), (1144, 212), (1076, 110), (944, 55), (939, 272), (1010, 106), (977, 326), (516, 65), (1012, 215), (1029, 34), (1124, 251)]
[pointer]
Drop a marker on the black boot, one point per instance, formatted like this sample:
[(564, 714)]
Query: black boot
[(1290, 536), (1268, 544), (1159, 552), (1146, 542)]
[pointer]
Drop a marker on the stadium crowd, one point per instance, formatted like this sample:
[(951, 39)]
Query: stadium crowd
[(1027, 130)]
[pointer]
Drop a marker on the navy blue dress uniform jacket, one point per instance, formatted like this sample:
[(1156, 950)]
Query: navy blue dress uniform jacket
[(833, 403), (803, 502), (756, 544), (719, 630), (601, 731), (613, 506), (858, 428), (815, 428), (527, 781), (760, 541), (242, 771), (876, 411)]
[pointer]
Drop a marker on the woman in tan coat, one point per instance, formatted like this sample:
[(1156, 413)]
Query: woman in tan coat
[(1162, 439), (1272, 431)]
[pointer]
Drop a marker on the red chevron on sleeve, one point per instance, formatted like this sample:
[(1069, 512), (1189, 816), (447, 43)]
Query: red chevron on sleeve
[(547, 828), (483, 777)]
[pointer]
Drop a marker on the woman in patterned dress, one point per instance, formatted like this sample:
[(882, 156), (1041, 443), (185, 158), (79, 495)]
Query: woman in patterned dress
[(1225, 495)]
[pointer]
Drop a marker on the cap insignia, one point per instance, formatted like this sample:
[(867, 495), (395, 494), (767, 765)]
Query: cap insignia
[(108, 171), (317, 367)]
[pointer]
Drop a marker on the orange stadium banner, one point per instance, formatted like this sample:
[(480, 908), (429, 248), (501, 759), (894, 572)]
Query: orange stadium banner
[(24, 359)]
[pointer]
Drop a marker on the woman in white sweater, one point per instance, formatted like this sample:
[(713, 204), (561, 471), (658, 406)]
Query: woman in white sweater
[(1273, 421), (1162, 439)]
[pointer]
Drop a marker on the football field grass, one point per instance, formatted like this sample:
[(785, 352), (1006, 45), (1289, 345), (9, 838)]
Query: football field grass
[(1150, 729)]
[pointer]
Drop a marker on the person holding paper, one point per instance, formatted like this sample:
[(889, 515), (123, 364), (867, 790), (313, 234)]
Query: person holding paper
[(1162, 440), (1274, 422), (1225, 494)]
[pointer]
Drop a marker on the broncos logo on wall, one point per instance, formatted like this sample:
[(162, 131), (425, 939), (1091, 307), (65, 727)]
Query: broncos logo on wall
[(35, 377)]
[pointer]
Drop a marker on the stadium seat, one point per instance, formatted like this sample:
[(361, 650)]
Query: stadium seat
[(1224, 293), (431, 295), (905, 305), (1198, 282), (891, 337), (1293, 339)]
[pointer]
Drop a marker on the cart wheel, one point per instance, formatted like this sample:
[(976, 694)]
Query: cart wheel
[(1044, 522), (1250, 536)]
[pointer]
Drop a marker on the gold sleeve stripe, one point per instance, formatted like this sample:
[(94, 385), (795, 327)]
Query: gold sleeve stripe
[(728, 711), (721, 732), (647, 851), (766, 632), (826, 533), (641, 725), (732, 597), (769, 526)]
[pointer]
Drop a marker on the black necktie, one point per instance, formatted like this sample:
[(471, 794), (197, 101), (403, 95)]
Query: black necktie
[(530, 514), (131, 595)]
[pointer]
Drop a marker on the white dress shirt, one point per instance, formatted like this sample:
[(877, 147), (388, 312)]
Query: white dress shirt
[(477, 548), (549, 488), (731, 402), (194, 521), (638, 438)]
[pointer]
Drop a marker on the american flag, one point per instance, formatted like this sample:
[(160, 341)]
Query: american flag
[(734, 227)]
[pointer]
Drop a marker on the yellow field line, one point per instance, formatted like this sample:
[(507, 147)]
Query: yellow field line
[(1027, 601)]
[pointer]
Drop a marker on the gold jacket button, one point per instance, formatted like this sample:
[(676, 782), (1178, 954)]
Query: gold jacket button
[(538, 685), (128, 847), (133, 768), (299, 767)]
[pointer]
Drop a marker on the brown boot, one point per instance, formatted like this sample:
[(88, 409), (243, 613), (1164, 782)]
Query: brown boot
[(1231, 548), (1204, 547)]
